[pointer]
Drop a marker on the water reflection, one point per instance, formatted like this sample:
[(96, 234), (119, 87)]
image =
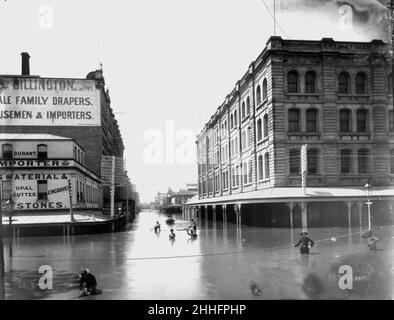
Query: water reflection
[(219, 264)]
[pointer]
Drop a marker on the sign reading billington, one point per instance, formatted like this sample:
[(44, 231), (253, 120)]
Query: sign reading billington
[(49, 102)]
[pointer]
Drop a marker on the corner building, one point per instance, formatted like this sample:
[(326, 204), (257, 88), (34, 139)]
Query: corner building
[(335, 97)]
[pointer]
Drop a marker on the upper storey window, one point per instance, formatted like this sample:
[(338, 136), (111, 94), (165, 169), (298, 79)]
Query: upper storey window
[(294, 120), (361, 83), (6, 151), (265, 90), (390, 84), (344, 83), (310, 82), (42, 151), (258, 95), (292, 82)]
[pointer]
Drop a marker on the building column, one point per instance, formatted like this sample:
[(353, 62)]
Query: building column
[(214, 213), (206, 217), (349, 213), (224, 208), (239, 216), (360, 213), (291, 208), (304, 215)]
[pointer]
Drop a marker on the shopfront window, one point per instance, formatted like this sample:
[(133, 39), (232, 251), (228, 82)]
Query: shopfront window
[(42, 190)]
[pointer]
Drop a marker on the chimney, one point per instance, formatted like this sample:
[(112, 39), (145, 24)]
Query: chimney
[(25, 64)]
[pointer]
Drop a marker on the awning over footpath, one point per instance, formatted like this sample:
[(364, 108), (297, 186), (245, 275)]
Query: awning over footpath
[(273, 195)]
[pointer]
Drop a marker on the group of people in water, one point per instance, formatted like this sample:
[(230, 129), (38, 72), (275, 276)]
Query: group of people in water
[(191, 230)]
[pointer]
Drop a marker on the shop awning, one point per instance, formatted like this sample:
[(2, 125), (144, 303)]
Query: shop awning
[(272, 195)]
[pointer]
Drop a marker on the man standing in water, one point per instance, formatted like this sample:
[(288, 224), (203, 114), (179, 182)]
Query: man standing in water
[(305, 243)]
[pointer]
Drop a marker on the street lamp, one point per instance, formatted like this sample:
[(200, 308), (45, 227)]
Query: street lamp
[(368, 193)]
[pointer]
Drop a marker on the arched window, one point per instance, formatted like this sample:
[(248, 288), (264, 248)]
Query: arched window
[(245, 172), (345, 120), (361, 83), (310, 82), (250, 173), (243, 140), (311, 120), (265, 123), (260, 166), (292, 82), (392, 161), (390, 84), (42, 151), (259, 130), (344, 83), (235, 118), (294, 120), (267, 165), (391, 120), (6, 150), (363, 155), (312, 161), (243, 109), (294, 156), (247, 106), (362, 116), (258, 95), (232, 121), (346, 160), (265, 90)]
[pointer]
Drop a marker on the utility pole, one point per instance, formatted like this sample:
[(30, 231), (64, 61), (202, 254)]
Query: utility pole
[(70, 196), (2, 272)]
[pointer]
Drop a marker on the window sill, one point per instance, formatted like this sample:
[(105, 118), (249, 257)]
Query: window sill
[(352, 95), (303, 134), (262, 140), (354, 133)]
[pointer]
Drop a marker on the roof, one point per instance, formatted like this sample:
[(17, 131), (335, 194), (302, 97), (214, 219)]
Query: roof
[(296, 194), (31, 136)]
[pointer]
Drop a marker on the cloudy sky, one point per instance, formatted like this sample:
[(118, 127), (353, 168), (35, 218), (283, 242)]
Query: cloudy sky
[(167, 63)]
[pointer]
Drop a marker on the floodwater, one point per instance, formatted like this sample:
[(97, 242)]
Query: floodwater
[(222, 263)]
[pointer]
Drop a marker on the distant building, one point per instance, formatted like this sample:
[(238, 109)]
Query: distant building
[(335, 98)]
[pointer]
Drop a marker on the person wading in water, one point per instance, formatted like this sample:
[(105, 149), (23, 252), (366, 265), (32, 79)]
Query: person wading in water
[(305, 243)]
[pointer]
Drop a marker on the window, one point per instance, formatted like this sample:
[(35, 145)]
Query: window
[(259, 130), (292, 82), (248, 106), (310, 82), (390, 84), (363, 155), (6, 187), (295, 161), (42, 190), (235, 118), (250, 171), (267, 165), (6, 149), (231, 121), (345, 120), (238, 175), (346, 161), (392, 161), (260, 167), (294, 120), (42, 151), (249, 136), (362, 115), (245, 169), (311, 120), (344, 83), (361, 82), (265, 90), (258, 95), (243, 141), (265, 122), (391, 120), (312, 156), (243, 114)]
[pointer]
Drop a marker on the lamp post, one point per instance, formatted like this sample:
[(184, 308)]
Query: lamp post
[(368, 193)]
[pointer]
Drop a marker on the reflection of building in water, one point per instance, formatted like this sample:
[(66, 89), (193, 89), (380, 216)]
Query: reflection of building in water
[(334, 97), (35, 169), (75, 109)]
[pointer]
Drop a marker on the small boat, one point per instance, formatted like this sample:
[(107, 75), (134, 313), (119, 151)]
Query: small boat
[(170, 220)]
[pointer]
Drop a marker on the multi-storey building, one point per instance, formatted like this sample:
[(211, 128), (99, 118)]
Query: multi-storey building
[(75, 108), (333, 97)]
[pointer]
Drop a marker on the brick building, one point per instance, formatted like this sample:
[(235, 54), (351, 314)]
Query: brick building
[(79, 109), (333, 97)]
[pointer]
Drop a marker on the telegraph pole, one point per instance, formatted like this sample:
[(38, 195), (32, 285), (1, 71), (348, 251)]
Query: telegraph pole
[(2, 272)]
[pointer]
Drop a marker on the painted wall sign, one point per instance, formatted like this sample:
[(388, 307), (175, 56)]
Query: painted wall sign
[(36, 163), (49, 102)]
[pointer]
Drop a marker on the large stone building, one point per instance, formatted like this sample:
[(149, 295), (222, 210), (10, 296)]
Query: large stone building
[(333, 97), (78, 109)]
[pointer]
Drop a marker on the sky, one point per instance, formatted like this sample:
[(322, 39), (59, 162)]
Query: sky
[(168, 64)]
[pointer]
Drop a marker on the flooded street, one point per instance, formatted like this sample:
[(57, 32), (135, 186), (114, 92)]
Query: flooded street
[(222, 263)]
